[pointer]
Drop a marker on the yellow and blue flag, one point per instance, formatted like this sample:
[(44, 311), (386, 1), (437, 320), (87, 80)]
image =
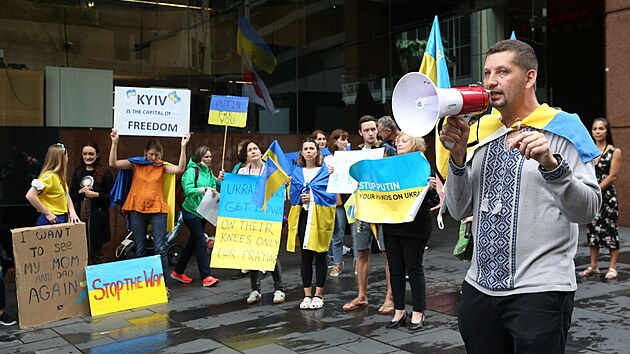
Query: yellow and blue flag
[(389, 190), (434, 66), (566, 125), (320, 221), (251, 45), (274, 177)]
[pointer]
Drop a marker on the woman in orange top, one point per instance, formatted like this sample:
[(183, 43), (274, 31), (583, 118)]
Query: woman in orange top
[(145, 201)]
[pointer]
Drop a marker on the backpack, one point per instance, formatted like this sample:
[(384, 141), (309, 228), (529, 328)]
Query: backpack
[(179, 190)]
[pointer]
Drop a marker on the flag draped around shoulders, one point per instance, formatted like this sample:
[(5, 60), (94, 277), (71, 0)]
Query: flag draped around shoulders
[(274, 177), (321, 214), (122, 185), (566, 125)]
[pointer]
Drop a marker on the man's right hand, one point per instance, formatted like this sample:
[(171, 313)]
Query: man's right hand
[(454, 137)]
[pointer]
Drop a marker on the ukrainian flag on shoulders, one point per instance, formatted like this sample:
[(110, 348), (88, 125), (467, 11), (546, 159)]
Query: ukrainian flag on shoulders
[(320, 221), (274, 176), (390, 190)]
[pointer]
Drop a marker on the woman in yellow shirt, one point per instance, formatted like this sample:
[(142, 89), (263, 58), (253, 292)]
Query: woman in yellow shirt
[(49, 192)]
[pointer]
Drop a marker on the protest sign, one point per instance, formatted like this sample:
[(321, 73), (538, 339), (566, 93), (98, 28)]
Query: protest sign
[(209, 207), (390, 190), (340, 180), (125, 285), (49, 275), (247, 237), (228, 110), (151, 112)]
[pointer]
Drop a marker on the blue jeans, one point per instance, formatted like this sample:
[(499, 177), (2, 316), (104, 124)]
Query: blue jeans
[(138, 223), (41, 220), (196, 244), (336, 244)]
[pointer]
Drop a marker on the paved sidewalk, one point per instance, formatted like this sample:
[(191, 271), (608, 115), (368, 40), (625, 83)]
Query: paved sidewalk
[(217, 319)]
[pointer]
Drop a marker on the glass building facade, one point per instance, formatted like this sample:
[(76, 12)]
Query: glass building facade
[(335, 60)]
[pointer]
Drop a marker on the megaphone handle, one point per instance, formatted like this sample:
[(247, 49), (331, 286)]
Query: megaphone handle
[(449, 144), (466, 118)]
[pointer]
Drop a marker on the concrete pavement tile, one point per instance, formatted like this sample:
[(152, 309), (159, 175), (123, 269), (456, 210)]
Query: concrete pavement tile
[(368, 345), (594, 330), (147, 344), (269, 348), (246, 315), (37, 335), (335, 350), (95, 342), (200, 345), (326, 338), (61, 350), (104, 326), (46, 344), (575, 350), (443, 340)]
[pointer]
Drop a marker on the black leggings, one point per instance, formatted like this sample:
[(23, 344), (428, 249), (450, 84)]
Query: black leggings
[(306, 269)]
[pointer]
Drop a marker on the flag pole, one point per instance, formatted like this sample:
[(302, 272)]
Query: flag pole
[(224, 142)]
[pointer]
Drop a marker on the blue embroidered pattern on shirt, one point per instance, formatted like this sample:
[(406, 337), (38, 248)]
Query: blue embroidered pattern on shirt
[(496, 228), (557, 172), (457, 171)]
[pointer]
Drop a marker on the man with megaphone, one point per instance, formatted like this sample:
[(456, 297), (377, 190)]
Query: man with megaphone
[(528, 183)]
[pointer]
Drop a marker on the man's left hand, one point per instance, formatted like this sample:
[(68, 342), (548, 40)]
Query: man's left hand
[(534, 145)]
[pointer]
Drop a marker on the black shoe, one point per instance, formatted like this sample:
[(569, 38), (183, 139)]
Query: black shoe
[(239, 275), (415, 326), (7, 320), (396, 324)]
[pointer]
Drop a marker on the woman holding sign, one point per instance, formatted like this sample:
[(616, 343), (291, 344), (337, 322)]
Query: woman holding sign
[(196, 182), (254, 166), (90, 187), (311, 220), (145, 202), (49, 192), (405, 248)]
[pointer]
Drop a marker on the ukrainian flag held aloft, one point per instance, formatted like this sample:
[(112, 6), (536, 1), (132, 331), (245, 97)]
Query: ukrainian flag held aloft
[(274, 177), (250, 44)]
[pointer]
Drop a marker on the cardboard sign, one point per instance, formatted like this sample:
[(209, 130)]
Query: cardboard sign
[(340, 180), (247, 237), (390, 190), (228, 110), (152, 112), (49, 272), (125, 285)]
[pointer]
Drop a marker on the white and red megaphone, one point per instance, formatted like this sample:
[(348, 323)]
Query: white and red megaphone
[(418, 104)]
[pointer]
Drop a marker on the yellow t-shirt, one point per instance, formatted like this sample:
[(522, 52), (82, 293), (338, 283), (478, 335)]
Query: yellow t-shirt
[(53, 196)]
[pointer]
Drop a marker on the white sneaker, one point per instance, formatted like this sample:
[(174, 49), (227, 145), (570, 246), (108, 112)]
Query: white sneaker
[(306, 303), (254, 297), (317, 303), (278, 297)]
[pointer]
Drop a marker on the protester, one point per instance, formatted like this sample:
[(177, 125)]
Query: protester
[(5, 319), (320, 137), (388, 130), (337, 142), (196, 182), (310, 201), (91, 183), (362, 238), (242, 162), (254, 166), (405, 244), (529, 184), (145, 203), (602, 231), (49, 192)]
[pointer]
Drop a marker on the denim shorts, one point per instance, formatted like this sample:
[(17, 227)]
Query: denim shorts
[(361, 231)]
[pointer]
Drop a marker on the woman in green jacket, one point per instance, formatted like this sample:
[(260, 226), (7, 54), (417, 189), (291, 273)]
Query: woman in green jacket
[(196, 182)]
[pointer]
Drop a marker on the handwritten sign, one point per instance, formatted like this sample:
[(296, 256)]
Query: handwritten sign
[(228, 110), (385, 194), (247, 237), (125, 285), (151, 112), (340, 180), (49, 276)]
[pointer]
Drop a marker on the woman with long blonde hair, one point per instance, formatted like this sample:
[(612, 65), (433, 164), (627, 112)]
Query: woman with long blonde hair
[(49, 192)]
